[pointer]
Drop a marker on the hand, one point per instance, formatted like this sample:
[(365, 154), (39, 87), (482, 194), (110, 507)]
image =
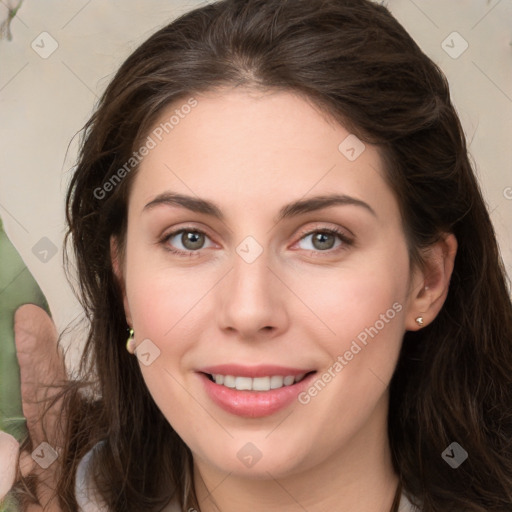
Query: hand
[(41, 364)]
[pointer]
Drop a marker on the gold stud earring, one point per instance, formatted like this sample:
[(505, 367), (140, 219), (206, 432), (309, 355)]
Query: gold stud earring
[(419, 321), (130, 342)]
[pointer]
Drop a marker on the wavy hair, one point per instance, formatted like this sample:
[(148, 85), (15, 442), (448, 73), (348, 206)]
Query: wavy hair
[(354, 61)]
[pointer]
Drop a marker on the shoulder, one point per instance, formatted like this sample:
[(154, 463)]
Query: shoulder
[(87, 498)]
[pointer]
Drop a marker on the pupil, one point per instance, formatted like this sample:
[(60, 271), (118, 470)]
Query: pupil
[(319, 241), (192, 240)]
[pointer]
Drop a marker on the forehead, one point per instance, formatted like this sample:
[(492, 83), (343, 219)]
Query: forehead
[(244, 145)]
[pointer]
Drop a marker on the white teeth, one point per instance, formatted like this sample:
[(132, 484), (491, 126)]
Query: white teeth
[(289, 380), (258, 383), (276, 382), (261, 384), (229, 381), (242, 383)]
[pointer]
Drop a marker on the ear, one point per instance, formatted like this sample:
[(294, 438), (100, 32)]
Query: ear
[(117, 267), (430, 284)]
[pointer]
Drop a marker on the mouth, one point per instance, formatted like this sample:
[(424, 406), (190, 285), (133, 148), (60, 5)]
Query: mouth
[(254, 392)]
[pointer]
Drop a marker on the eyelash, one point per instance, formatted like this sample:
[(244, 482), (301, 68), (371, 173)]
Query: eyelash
[(346, 242)]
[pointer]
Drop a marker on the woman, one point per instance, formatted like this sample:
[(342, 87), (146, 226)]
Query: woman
[(345, 346)]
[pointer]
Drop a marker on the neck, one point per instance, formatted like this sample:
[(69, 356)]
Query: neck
[(358, 477)]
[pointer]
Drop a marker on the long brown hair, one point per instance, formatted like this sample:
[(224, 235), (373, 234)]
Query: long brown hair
[(358, 64)]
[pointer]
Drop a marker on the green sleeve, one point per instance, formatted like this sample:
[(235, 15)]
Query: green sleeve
[(17, 287)]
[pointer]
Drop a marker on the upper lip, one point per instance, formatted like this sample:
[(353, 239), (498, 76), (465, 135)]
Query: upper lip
[(238, 370)]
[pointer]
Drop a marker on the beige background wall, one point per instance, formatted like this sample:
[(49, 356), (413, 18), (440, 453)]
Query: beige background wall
[(63, 54)]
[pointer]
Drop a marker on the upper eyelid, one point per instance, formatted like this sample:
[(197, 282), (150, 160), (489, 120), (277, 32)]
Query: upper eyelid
[(301, 232), (335, 230), (174, 231)]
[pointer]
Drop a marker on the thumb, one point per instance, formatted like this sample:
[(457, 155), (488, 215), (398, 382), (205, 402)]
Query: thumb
[(41, 365), (9, 451), (42, 374)]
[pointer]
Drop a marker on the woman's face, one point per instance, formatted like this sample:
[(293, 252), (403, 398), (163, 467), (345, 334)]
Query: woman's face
[(291, 264)]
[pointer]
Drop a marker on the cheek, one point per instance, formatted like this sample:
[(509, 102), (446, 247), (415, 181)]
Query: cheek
[(166, 309), (162, 298), (349, 301), (360, 312)]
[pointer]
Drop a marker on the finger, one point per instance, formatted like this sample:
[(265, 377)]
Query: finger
[(41, 364), (9, 450), (27, 463)]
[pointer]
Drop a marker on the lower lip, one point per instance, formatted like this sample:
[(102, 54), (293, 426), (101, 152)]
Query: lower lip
[(253, 404)]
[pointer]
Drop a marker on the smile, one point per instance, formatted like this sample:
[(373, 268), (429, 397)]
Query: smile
[(254, 391)]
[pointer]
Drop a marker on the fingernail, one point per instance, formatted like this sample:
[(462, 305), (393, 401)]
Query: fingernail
[(9, 449)]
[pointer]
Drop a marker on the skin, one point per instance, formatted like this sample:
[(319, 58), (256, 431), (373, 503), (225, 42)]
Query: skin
[(295, 305), (41, 364)]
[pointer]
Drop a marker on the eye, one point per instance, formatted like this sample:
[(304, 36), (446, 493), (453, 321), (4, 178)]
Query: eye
[(186, 241), (325, 240)]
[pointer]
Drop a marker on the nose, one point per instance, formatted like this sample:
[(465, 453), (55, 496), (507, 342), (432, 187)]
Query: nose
[(251, 300)]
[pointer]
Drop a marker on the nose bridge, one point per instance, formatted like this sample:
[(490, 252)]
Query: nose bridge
[(251, 280), (249, 299)]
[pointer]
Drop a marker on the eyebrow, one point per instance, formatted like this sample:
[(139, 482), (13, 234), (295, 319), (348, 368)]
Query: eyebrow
[(295, 208)]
